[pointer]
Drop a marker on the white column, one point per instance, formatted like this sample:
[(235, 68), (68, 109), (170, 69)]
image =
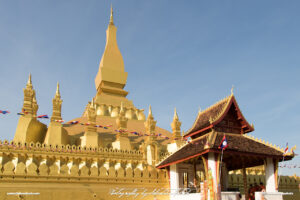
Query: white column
[(190, 178), (212, 166), (270, 176), (174, 179)]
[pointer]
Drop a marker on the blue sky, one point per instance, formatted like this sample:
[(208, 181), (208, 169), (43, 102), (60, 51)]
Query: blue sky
[(180, 54)]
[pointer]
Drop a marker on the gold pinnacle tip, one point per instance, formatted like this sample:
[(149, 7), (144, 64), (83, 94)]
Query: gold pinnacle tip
[(29, 82), (175, 114), (111, 20)]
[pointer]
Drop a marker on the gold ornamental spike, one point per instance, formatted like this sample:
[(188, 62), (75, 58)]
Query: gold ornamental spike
[(175, 115), (150, 112), (29, 82), (57, 90), (111, 20)]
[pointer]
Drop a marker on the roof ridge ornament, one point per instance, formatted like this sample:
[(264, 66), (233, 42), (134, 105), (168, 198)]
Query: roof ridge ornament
[(199, 110), (232, 90)]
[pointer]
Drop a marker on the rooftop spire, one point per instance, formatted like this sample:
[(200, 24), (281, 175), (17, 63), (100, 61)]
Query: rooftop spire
[(150, 112), (176, 126), (150, 125), (111, 20), (175, 115), (111, 77), (29, 94), (56, 105), (57, 90), (29, 82)]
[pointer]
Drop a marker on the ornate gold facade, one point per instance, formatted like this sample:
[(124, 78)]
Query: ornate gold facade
[(85, 160)]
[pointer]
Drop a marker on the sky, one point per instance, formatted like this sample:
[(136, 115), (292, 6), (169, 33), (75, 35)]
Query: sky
[(183, 54)]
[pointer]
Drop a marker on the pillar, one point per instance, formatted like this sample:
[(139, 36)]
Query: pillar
[(271, 175), (174, 179), (195, 173), (245, 183), (213, 174), (224, 177)]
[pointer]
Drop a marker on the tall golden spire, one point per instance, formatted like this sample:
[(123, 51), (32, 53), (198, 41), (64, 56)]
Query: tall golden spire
[(111, 77), (29, 82), (150, 125), (111, 19), (57, 90), (175, 115), (176, 126), (150, 112), (29, 94), (56, 105)]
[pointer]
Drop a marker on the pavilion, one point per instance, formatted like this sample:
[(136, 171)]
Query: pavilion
[(202, 153)]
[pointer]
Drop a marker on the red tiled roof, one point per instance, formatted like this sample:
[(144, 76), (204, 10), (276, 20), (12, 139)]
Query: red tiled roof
[(240, 144), (212, 115)]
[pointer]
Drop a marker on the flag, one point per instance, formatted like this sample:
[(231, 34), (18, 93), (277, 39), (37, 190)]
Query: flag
[(58, 120), (20, 113), (293, 149), (224, 143), (4, 111), (74, 122), (43, 116), (286, 149)]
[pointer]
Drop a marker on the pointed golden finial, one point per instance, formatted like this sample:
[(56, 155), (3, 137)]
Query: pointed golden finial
[(199, 110), (57, 90), (92, 103), (29, 82), (150, 111), (122, 107), (111, 20), (232, 89), (175, 115)]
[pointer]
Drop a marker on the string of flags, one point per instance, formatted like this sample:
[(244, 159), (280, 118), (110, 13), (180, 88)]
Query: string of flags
[(290, 166), (99, 126), (131, 132)]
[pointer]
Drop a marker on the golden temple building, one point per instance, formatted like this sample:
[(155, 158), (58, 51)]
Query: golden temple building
[(114, 148)]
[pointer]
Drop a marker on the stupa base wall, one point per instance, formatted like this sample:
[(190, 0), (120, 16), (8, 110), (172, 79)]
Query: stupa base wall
[(65, 190)]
